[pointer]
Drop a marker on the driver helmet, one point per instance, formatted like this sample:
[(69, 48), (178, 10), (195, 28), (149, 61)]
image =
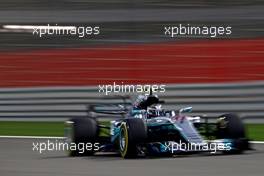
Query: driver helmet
[(139, 99)]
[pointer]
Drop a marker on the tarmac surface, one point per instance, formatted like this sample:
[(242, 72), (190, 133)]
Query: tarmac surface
[(242, 13), (18, 158), (143, 24)]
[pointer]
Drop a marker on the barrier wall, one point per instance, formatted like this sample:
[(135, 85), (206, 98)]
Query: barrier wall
[(246, 99)]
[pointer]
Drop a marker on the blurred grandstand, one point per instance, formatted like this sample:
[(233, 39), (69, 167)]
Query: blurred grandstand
[(56, 77)]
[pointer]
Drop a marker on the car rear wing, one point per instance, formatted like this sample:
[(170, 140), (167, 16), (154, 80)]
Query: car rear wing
[(110, 110)]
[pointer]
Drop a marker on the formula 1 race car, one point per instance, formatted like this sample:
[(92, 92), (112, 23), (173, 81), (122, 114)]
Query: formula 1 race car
[(148, 129)]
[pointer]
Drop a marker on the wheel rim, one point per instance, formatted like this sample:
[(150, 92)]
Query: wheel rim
[(122, 140), (69, 135), (222, 122)]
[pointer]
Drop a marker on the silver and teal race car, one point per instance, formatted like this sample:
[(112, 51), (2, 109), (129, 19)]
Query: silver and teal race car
[(147, 129)]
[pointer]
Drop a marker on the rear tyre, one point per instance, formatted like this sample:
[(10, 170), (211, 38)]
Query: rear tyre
[(230, 126), (132, 132), (81, 132)]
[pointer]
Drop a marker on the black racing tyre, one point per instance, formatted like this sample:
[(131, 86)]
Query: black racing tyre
[(81, 132), (230, 126), (132, 132)]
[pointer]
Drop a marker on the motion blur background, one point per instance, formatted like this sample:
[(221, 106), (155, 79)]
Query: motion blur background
[(56, 76)]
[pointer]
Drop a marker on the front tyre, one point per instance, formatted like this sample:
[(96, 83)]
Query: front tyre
[(81, 135), (132, 132), (230, 126)]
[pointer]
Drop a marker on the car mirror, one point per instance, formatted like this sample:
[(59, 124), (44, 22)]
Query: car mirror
[(186, 109)]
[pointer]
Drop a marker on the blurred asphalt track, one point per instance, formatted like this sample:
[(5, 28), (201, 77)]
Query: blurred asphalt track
[(17, 158), (125, 22)]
